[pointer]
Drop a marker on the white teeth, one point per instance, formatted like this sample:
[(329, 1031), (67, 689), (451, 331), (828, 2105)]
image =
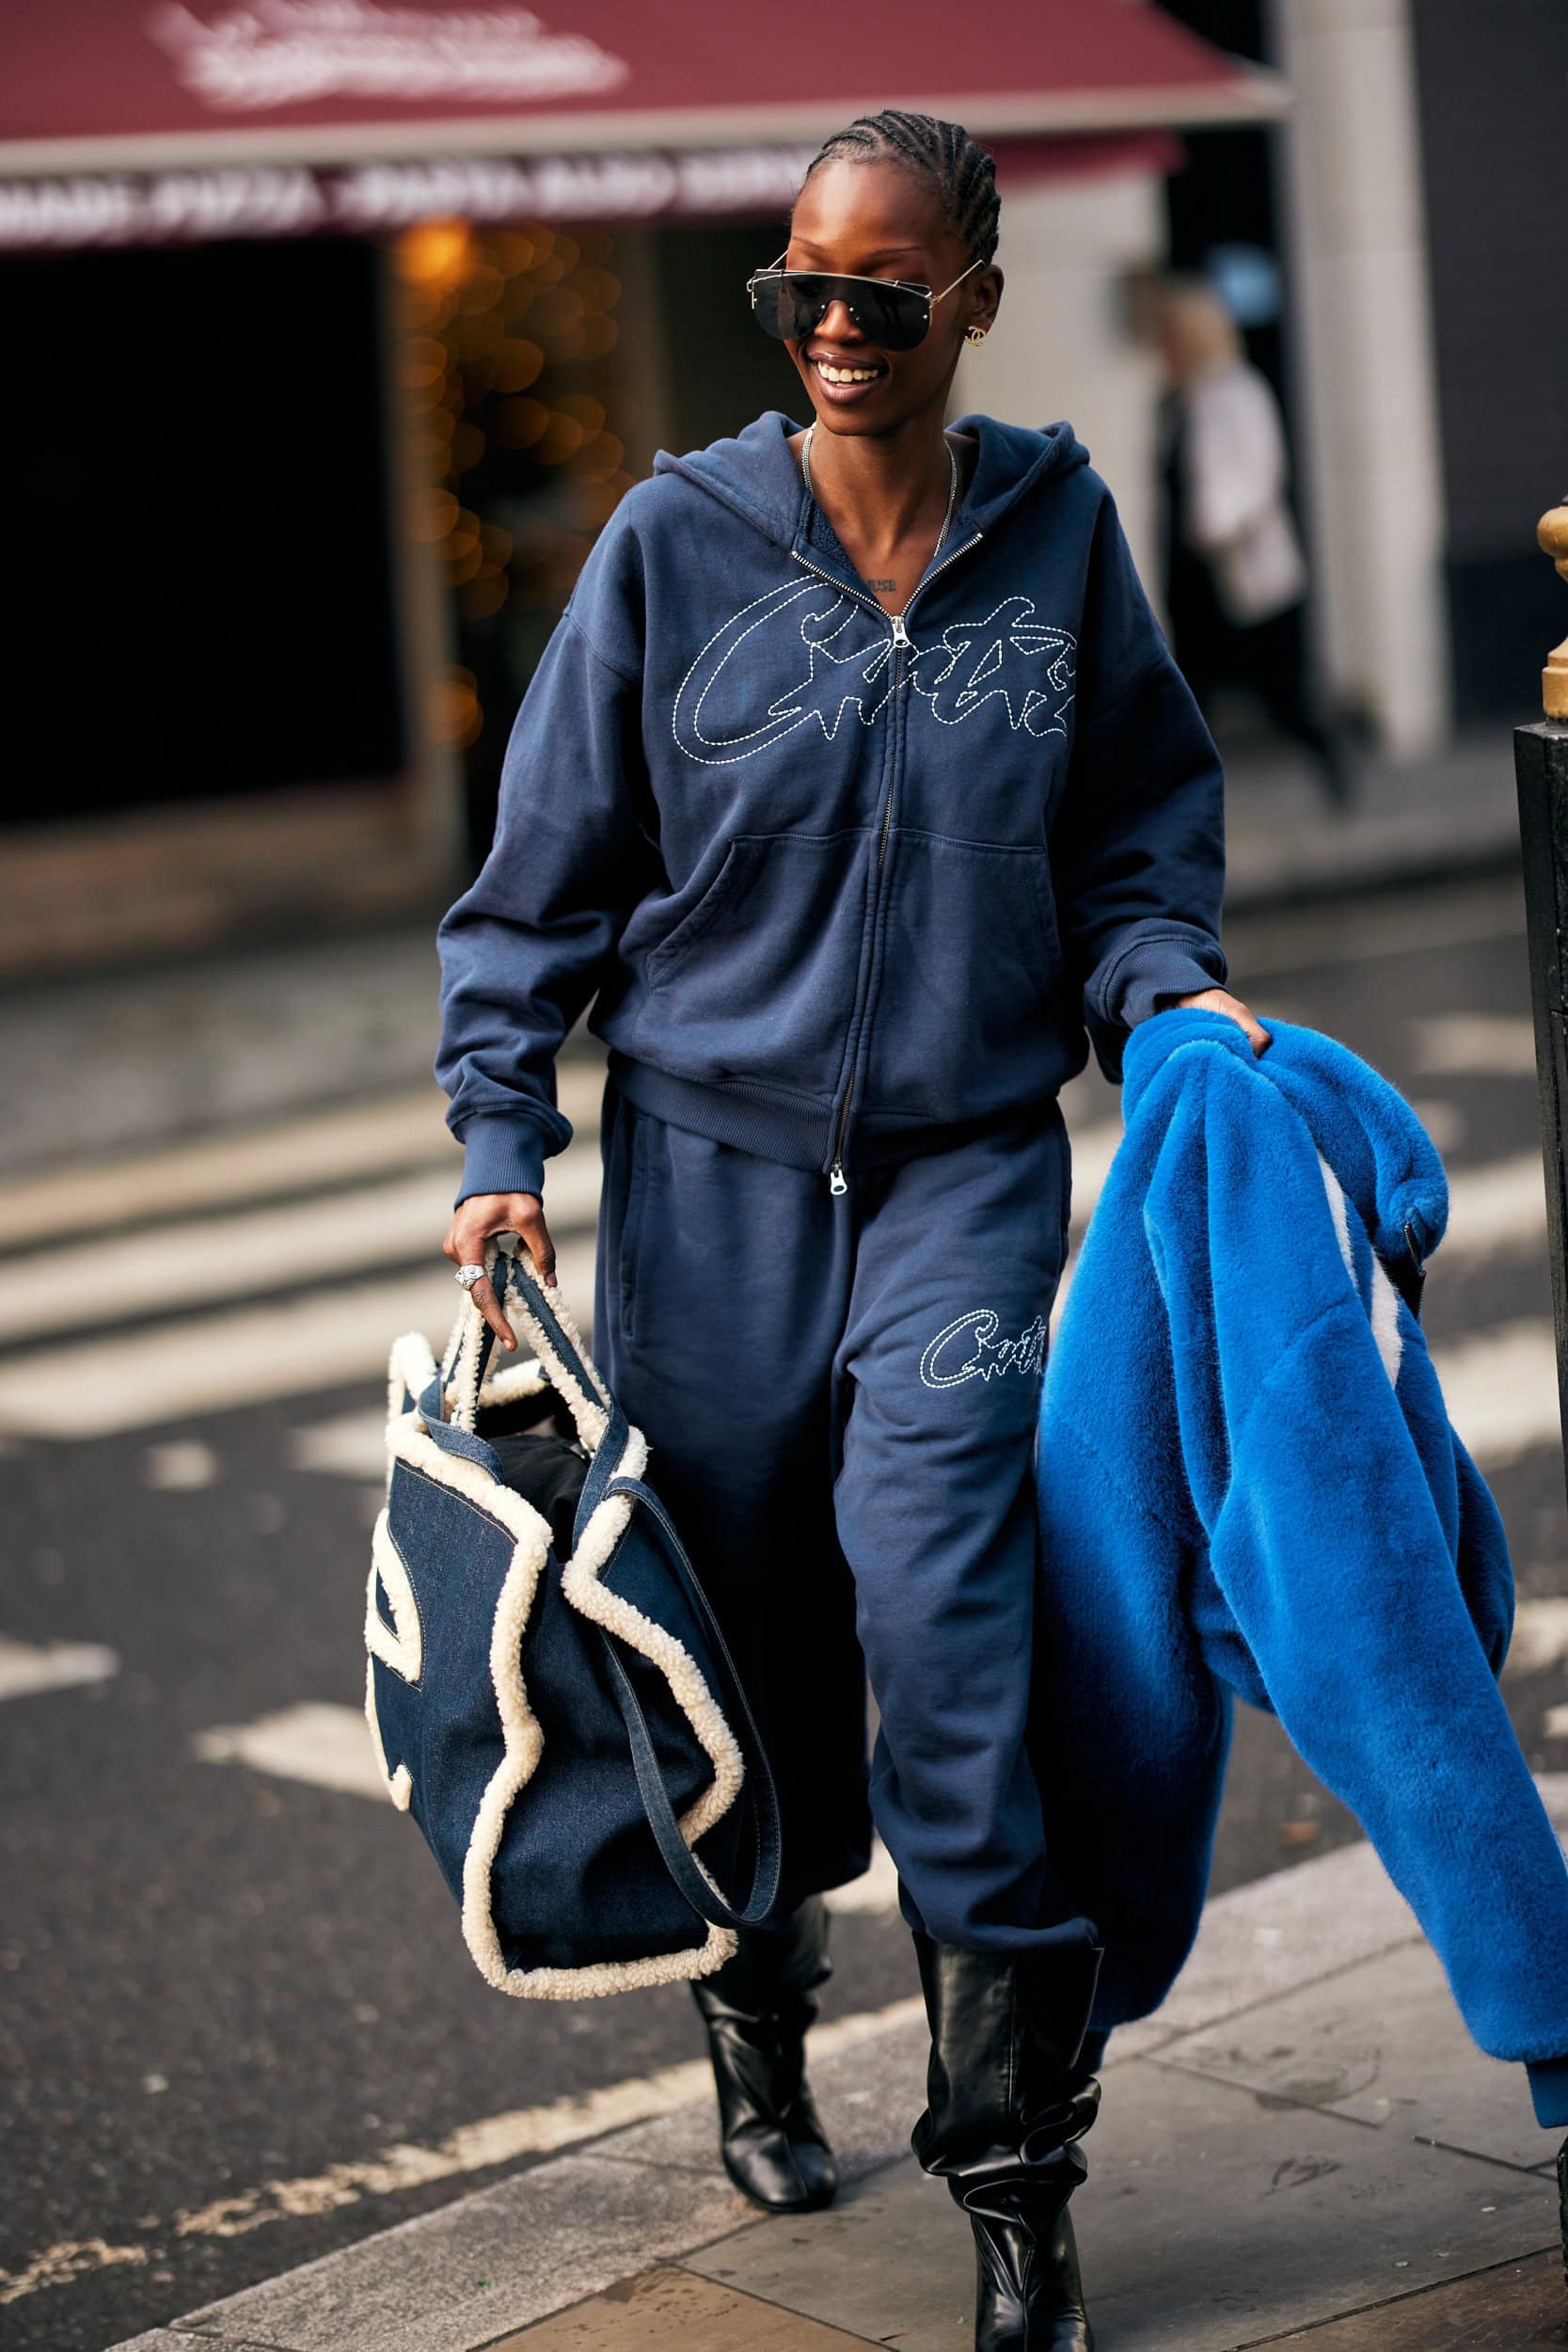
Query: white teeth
[(844, 375)]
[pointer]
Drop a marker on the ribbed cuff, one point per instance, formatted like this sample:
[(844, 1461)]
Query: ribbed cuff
[(501, 1155), (1548, 2090), (1165, 967)]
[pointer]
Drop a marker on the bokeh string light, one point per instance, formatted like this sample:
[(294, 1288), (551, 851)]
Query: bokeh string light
[(518, 423)]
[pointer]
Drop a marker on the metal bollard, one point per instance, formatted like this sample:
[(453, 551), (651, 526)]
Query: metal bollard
[(1540, 773)]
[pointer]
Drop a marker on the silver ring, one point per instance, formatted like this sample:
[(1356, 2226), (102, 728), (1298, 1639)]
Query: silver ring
[(468, 1275)]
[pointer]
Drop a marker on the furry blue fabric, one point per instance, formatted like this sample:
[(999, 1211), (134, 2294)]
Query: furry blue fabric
[(1248, 1486)]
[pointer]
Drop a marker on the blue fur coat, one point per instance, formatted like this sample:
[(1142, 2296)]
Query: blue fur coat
[(1248, 1486)]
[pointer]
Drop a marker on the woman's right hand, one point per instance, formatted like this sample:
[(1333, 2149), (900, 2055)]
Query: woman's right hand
[(474, 1221)]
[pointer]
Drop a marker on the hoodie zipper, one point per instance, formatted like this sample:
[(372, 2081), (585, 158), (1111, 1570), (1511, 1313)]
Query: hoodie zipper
[(837, 1182)]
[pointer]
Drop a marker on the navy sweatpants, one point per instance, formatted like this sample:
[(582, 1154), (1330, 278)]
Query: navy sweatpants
[(840, 1396)]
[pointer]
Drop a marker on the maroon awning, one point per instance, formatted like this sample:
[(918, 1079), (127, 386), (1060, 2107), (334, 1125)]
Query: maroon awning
[(121, 121)]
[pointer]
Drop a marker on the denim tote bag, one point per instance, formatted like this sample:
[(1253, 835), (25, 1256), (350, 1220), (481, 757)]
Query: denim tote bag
[(547, 1691)]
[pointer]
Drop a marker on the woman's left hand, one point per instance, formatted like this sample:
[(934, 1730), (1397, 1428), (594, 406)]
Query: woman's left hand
[(1221, 1000)]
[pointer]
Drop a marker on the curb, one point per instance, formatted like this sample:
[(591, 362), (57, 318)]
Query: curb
[(472, 2273)]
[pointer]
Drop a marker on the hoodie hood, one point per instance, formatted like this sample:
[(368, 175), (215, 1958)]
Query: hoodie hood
[(1362, 1125), (757, 474)]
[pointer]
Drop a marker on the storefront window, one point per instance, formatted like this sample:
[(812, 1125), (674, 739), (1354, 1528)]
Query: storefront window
[(512, 364)]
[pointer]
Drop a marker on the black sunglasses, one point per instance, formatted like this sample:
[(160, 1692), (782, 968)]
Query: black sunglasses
[(890, 312)]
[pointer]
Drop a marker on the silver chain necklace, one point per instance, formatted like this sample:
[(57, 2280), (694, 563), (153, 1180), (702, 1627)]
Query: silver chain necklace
[(952, 484)]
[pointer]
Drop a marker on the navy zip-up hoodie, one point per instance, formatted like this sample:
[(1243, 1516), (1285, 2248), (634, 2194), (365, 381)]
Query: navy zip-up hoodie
[(840, 886)]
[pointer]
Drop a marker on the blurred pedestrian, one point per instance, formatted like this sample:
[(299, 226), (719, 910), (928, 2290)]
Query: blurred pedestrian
[(1235, 576), (855, 785)]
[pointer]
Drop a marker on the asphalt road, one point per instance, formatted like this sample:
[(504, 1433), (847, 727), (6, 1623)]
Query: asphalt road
[(233, 1987)]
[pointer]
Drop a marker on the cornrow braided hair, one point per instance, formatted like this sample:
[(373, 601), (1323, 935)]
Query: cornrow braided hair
[(942, 154)]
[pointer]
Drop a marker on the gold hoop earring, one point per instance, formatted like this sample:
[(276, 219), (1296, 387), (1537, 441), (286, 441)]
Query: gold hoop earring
[(975, 334)]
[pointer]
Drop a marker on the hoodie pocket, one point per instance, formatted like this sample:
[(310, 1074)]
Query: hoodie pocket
[(757, 978), (971, 961)]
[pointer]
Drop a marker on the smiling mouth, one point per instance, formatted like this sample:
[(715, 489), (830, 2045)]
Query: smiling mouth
[(837, 371)]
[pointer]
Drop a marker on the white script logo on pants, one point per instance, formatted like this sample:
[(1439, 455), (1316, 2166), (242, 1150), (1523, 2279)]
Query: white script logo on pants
[(968, 1349)]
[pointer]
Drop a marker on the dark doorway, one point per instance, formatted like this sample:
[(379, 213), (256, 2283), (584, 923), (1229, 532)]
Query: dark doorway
[(197, 550), (1489, 82)]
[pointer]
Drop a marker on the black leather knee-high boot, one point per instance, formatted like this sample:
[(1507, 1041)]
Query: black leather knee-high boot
[(757, 2009), (1008, 2102)]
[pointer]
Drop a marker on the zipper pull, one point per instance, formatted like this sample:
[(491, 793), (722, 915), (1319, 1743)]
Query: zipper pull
[(900, 634), (837, 1182)]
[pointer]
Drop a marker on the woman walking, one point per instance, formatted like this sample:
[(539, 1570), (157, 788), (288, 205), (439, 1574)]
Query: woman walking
[(855, 782), (1235, 575)]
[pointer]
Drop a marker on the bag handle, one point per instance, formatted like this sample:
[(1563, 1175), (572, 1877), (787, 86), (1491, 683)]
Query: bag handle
[(548, 1327), (559, 1346), (761, 1798)]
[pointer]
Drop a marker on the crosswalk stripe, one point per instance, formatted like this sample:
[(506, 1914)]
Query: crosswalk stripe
[(1444, 1121), (182, 1468), (1488, 1044), (1500, 1385), (1540, 1636), (252, 1163), (138, 1377), (250, 1251), (201, 1365), (350, 1445), (325, 1745), (242, 1164), (254, 1251), (26, 1668), (1499, 1205), (1500, 1388)]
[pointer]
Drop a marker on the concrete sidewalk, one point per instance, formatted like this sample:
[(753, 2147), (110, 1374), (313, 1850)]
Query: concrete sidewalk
[(1454, 813), (1303, 2140)]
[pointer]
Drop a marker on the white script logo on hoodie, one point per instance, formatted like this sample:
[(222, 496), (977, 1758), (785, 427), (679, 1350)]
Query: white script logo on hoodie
[(725, 711)]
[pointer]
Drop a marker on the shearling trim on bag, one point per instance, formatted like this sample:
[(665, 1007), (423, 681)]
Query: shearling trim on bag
[(580, 1574), (579, 1582), (412, 1367), (590, 1412), (400, 1645), (512, 1381), (400, 1785)]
